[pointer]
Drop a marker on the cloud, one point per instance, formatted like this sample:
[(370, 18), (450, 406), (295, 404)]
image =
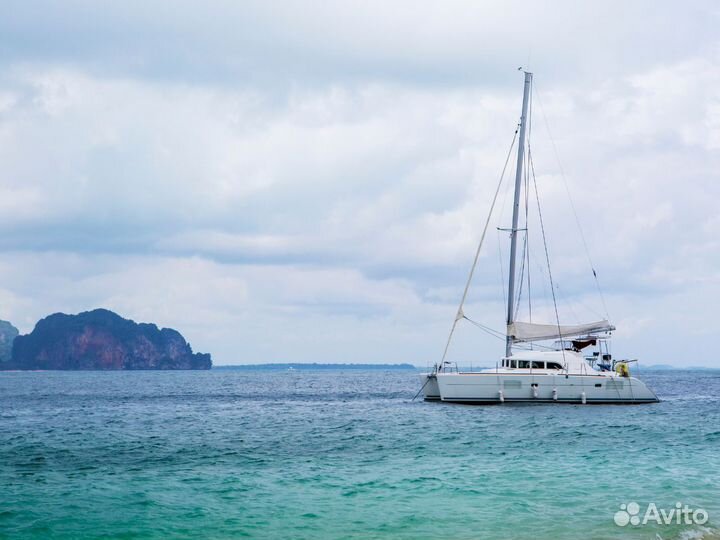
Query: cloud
[(317, 43), (307, 181), (240, 313)]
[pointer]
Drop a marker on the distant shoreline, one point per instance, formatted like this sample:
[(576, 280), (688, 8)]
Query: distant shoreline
[(317, 366)]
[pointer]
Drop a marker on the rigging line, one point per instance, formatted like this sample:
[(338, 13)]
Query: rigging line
[(487, 329), (566, 302), (527, 225), (529, 292), (529, 346), (547, 255), (539, 267), (522, 277), (529, 119), (459, 314), (591, 309), (507, 186), (572, 205), (526, 238), (421, 389), (502, 270), (500, 254), (526, 255)]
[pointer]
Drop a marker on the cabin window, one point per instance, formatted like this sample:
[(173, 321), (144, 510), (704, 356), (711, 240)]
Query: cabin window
[(598, 385), (553, 365), (538, 365), (512, 384)]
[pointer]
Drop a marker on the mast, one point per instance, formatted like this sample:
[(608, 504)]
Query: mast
[(516, 207)]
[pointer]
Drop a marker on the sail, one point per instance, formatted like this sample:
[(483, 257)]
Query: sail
[(522, 331)]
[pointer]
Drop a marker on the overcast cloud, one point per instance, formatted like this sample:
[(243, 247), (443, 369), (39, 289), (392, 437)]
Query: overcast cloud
[(307, 181)]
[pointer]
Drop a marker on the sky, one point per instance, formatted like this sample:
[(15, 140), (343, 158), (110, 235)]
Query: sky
[(308, 181)]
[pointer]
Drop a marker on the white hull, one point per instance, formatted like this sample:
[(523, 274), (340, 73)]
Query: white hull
[(430, 388), (490, 387), (551, 374)]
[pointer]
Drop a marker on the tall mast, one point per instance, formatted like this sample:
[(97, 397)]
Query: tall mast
[(516, 208)]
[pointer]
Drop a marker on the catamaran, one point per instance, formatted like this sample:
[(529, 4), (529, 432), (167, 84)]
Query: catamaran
[(577, 368)]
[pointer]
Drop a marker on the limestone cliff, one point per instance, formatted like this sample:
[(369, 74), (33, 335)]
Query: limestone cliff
[(8, 333), (101, 339)]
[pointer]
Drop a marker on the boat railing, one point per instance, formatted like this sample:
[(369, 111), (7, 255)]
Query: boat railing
[(449, 367)]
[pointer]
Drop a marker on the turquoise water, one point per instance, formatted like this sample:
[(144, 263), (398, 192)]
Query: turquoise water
[(326, 455)]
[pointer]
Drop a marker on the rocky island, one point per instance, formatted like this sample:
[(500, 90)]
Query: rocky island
[(101, 340), (8, 333)]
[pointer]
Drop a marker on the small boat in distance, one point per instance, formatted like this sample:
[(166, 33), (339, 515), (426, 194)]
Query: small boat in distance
[(561, 372)]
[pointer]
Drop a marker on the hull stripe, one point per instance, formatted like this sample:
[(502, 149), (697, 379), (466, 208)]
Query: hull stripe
[(545, 400)]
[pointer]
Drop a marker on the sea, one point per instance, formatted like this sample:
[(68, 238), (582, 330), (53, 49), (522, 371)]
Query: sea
[(334, 454)]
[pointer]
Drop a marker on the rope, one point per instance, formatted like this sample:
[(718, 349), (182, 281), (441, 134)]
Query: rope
[(487, 329), (572, 206), (522, 275), (547, 256), (530, 345), (527, 227), (501, 336), (422, 387), (460, 314), (502, 271), (566, 303), (525, 266)]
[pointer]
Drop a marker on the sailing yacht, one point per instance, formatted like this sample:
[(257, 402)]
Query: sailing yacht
[(577, 368)]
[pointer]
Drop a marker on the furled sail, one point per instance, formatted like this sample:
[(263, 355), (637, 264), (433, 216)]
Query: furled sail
[(522, 331)]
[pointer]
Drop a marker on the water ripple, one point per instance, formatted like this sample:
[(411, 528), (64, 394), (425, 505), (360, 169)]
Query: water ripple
[(319, 455)]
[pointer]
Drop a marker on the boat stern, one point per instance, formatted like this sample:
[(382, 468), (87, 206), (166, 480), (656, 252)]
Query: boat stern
[(640, 391)]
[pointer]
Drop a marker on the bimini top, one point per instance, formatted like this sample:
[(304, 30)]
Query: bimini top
[(522, 331)]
